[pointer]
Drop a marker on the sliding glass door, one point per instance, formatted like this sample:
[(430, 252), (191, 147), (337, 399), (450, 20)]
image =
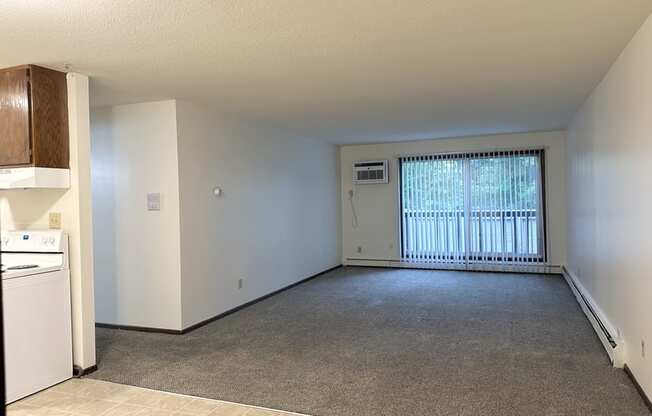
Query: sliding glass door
[(482, 208)]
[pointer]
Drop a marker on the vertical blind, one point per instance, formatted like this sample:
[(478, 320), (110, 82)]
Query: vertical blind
[(484, 208)]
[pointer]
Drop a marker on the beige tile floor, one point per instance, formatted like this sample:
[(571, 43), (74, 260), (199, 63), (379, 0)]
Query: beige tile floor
[(87, 397)]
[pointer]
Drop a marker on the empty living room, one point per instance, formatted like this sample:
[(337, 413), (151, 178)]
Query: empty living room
[(339, 208)]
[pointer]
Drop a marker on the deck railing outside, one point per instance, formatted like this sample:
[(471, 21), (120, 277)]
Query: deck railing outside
[(495, 235)]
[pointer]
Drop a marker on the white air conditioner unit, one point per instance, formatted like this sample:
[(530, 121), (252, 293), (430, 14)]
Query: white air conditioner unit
[(370, 171)]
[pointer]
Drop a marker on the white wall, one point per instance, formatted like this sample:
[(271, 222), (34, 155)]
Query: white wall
[(377, 205), (137, 260), (29, 209), (276, 223), (609, 200)]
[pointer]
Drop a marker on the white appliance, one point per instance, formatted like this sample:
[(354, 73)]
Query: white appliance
[(36, 306), (370, 171), (34, 177)]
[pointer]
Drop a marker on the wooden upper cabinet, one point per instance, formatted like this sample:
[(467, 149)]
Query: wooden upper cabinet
[(15, 142), (33, 117)]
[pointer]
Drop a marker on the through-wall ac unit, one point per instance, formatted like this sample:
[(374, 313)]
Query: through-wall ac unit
[(370, 171)]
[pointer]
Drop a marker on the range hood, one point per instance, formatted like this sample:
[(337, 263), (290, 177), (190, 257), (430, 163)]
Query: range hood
[(34, 177)]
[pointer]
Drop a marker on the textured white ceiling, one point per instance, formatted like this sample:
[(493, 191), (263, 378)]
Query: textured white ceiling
[(347, 71)]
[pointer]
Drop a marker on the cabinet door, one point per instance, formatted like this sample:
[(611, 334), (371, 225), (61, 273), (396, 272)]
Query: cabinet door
[(49, 106), (15, 143)]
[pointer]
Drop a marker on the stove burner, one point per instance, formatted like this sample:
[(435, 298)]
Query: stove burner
[(22, 267)]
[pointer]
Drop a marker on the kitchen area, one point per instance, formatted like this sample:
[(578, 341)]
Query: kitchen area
[(45, 228)]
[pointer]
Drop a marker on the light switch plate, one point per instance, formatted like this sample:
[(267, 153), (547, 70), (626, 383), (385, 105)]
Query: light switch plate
[(154, 201), (54, 220)]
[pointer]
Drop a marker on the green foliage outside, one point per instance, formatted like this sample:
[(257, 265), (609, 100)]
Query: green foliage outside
[(501, 183)]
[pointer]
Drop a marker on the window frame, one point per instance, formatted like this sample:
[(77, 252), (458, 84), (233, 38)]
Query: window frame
[(471, 258)]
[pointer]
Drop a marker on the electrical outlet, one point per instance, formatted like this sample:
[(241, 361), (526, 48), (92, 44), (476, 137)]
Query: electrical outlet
[(359, 249), (54, 220), (240, 283), (642, 348)]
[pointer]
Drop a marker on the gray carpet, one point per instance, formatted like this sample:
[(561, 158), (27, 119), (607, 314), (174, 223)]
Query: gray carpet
[(373, 342)]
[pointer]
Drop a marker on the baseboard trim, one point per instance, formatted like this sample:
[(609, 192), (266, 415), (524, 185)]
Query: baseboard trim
[(80, 372), (139, 328), (608, 340), (640, 390), (252, 302), (213, 318)]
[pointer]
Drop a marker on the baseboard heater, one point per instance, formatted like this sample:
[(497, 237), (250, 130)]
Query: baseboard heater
[(586, 304), (608, 340), (473, 267)]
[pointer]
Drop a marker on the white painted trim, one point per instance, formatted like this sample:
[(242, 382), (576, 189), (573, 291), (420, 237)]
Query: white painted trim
[(80, 230), (616, 354)]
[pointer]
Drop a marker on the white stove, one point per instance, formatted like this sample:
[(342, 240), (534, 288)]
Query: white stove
[(26, 253), (36, 306)]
